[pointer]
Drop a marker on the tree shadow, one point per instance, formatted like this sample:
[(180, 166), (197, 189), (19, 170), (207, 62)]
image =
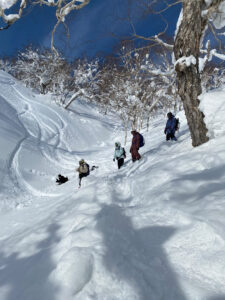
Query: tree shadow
[(27, 277), (217, 297), (136, 256)]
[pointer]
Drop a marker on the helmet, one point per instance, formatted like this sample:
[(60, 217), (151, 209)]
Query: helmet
[(81, 162)]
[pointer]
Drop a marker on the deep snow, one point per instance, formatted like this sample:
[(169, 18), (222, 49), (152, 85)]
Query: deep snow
[(153, 230)]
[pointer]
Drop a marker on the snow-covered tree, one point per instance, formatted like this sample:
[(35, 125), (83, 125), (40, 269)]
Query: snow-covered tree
[(213, 76), (191, 51), (5, 65), (85, 74), (62, 8), (153, 80), (45, 72), (189, 40), (132, 86)]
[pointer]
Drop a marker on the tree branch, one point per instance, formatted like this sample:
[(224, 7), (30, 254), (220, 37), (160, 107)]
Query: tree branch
[(64, 7)]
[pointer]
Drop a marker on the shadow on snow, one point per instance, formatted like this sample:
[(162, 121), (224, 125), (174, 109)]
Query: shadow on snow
[(27, 277), (137, 256)]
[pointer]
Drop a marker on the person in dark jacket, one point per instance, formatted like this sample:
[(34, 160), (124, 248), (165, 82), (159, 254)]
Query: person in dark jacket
[(135, 145), (170, 127), (119, 154)]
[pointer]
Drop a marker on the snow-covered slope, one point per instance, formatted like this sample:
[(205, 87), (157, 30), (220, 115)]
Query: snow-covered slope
[(153, 230), (40, 140)]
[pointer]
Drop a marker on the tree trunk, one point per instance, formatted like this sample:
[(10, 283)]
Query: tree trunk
[(187, 44), (74, 97), (148, 119)]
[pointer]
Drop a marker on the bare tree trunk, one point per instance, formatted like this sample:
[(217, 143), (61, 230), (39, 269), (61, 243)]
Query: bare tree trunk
[(134, 121), (187, 44), (126, 124), (175, 105), (125, 138), (141, 122), (148, 119), (74, 97)]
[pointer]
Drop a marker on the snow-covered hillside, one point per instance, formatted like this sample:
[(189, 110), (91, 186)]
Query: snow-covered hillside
[(153, 230)]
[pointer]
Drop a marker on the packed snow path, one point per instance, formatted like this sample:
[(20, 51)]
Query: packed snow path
[(153, 230)]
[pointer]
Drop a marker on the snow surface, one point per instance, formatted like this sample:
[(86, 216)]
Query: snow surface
[(153, 230)]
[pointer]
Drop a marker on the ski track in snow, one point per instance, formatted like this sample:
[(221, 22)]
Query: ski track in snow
[(143, 232), (11, 166), (44, 129)]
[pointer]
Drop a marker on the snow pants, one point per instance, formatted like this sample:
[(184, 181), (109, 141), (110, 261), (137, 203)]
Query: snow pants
[(170, 136), (81, 175), (134, 153), (120, 162)]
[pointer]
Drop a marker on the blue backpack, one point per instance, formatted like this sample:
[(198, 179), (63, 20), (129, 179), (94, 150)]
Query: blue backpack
[(142, 140)]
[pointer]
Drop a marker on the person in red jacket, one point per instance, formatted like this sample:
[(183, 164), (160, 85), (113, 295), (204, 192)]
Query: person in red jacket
[(135, 145)]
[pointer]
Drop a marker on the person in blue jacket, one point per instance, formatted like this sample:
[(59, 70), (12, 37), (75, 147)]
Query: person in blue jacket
[(170, 127), (119, 154)]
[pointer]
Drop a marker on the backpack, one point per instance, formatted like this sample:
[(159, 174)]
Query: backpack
[(142, 140), (88, 167), (124, 153), (177, 125)]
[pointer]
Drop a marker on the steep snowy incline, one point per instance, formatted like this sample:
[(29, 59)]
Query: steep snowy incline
[(41, 140), (154, 230)]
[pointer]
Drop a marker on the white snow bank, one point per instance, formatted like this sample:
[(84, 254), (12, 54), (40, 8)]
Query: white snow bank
[(213, 106), (73, 272)]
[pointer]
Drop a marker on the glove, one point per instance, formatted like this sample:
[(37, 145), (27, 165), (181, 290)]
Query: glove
[(113, 159)]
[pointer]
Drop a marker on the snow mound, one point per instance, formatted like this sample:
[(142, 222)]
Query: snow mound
[(73, 272), (213, 106)]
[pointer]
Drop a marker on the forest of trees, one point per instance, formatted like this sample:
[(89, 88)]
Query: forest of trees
[(134, 84), (136, 81)]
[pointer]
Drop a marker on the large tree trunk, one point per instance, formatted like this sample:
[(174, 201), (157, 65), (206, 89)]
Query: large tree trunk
[(187, 44)]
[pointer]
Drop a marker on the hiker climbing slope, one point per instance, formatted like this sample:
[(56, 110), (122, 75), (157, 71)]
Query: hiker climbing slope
[(83, 170), (119, 154), (170, 127), (137, 142)]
